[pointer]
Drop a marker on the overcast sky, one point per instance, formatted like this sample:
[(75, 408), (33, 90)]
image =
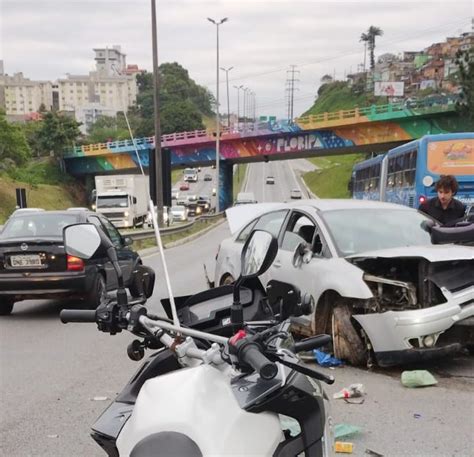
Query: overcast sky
[(45, 39)]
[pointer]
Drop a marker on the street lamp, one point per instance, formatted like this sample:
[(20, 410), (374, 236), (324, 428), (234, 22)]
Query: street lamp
[(238, 103), (246, 105), (218, 133), (227, 83)]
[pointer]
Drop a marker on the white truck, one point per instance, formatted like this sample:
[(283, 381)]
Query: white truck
[(190, 175), (122, 198)]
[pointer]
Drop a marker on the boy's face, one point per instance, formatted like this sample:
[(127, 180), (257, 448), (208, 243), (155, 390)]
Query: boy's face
[(445, 195)]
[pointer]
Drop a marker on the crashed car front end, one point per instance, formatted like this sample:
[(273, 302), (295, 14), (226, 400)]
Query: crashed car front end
[(421, 309)]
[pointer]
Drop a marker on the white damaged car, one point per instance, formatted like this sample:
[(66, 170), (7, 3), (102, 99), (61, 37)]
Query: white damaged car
[(381, 288)]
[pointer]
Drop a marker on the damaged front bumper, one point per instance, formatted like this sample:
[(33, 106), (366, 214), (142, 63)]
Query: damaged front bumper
[(408, 336)]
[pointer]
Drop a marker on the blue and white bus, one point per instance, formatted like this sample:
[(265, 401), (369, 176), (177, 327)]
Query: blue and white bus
[(406, 174)]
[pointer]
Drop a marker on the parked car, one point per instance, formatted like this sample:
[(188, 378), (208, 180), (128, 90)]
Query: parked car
[(295, 194), (179, 213), (184, 186), (34, 264), (207, 177), (381, 288), (270, 180)]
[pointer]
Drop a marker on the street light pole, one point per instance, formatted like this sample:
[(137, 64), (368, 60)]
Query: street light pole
[(156, 96), (238, 104), (227, 83), (218, 133)]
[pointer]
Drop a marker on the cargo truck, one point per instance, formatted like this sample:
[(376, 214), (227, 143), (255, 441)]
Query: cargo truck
[(123, 199)]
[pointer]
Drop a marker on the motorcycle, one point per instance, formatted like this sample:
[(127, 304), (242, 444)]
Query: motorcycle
[(230, 392)]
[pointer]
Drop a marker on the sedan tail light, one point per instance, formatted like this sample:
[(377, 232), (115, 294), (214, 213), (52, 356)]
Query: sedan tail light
[(74, 263)]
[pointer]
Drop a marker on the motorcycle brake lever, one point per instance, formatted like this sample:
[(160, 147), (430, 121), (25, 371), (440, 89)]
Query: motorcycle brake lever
[(284, 359)]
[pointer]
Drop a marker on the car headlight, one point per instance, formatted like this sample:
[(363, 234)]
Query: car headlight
[(125, 213), (94, 206), (125, 223), (198, 210)]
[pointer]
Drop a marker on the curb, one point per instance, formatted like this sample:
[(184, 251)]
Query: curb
[(308, 190), (154, 249)]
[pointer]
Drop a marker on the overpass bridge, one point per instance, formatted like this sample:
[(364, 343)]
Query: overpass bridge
[(372, 129)]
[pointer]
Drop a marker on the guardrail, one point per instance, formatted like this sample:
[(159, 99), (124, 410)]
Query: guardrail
[(145, 234)]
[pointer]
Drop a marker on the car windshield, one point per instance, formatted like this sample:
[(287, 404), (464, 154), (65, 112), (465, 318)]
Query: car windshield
[(112, 201), (360, 230), (37, 225)]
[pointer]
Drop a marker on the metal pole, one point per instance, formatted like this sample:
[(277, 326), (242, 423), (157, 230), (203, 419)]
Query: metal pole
[(227, 83), (218, 133), (156, 97), (238, 104)]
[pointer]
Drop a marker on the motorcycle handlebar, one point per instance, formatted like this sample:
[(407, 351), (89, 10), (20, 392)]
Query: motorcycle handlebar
[(77, 315), (313, 342), (251, 355)]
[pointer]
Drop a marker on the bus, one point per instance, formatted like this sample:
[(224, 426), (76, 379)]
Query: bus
[(407, 174)]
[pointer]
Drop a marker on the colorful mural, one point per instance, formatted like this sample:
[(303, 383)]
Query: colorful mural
[(340, 130)]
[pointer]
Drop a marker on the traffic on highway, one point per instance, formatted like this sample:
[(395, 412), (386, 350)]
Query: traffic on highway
[(327, 250)]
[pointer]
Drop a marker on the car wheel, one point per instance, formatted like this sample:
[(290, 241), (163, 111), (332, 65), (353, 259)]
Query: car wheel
[(142, 282), (227, 280), (347, 344), (98, 293), (6, 306)]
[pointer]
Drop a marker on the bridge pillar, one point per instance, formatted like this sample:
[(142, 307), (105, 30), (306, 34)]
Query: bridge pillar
[(226, 181)]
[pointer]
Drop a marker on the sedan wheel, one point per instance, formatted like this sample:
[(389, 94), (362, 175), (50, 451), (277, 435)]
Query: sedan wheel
[(6, 306), (347, 344), (227, 280), (98, 294)]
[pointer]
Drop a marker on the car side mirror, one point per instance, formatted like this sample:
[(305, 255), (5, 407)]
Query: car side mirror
[(127, 241)]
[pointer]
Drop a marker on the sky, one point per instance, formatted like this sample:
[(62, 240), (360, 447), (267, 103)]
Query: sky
[(45, 39)]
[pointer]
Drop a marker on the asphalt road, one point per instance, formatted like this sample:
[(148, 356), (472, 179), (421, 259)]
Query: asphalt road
[(53, 377)]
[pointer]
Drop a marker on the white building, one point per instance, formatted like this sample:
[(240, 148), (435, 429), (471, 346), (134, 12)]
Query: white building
[(109, 89), (20, 95)]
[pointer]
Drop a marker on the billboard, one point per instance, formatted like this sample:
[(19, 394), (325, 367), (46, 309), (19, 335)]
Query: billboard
[(389, 89), (451, 157)]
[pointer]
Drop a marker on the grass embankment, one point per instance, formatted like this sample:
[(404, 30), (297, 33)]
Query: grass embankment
[(339, 96), (46, 187), (333, 176), (238, 179)]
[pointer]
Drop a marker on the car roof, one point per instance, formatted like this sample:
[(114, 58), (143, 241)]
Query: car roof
[(238, 218)]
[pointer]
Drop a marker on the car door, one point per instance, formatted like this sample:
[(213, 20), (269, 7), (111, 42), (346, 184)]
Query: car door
[(126, 256), (300, 227)]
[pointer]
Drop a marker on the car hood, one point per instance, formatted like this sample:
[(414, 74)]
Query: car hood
[(434, 253)]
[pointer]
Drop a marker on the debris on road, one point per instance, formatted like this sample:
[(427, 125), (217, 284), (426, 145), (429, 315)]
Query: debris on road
[(373, 453), (417, 416), (418, 378), (326, 360), (345, 430), (353, 391), (343, 447)]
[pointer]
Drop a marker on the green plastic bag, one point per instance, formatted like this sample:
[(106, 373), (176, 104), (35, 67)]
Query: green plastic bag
[(345, 430), (418, 378)]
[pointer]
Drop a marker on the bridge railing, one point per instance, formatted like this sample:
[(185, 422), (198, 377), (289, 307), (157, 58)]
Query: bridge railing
[(417, 107)]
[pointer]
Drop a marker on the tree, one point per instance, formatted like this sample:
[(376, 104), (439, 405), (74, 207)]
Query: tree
[(180, 116), (13, 144), (369, 38), (58, 132), (465, 62)]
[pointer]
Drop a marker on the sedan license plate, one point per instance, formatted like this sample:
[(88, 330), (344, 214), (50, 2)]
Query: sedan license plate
[(29, 260)]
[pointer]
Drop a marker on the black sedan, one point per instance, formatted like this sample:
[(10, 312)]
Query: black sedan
[(34, 264)]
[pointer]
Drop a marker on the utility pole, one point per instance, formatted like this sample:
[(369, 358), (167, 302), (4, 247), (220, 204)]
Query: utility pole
[(290, 82), (227, 82), (238, 104), (158, 168), (218, 130)]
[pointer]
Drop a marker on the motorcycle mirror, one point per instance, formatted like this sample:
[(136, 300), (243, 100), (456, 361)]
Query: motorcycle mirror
[(81, 240), (258, 253)]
